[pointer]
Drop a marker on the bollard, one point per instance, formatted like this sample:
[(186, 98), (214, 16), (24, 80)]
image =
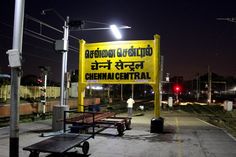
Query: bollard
[(58, 117), (157, 125)]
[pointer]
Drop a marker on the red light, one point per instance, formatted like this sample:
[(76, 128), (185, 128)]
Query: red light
[(177, 88), (39, 80)]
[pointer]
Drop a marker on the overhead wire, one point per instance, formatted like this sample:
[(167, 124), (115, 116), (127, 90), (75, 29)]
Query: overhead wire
[(45, 58), (30, 54), (71, 48), (41, 36), (48, 40), (47, 25)]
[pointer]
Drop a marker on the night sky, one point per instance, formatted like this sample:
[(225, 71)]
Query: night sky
[(191, 37)]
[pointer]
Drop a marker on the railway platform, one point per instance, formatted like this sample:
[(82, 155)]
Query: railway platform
[(183, 136)]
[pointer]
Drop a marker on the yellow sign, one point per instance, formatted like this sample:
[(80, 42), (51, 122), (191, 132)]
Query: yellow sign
[(120, 62)]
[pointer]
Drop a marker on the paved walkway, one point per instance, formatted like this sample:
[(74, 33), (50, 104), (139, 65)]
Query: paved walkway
[(184, 136)]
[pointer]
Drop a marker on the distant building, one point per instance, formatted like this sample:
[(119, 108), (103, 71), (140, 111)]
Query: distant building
[(5, 76), (177, 79)]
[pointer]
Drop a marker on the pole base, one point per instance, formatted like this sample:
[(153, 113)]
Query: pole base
[(58, 117), (157, 125), (14, 147)]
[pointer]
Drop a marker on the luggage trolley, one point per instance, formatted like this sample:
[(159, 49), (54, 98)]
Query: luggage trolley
[(60, 144), (102, 120)]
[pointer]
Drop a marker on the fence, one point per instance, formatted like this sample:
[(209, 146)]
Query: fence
[(29, 92)]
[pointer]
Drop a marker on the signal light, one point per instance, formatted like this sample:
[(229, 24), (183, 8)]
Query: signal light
[(177, 88), (39, 80)]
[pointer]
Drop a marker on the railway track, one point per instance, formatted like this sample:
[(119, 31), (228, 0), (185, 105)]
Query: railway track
[(5, 121), (215, 115)]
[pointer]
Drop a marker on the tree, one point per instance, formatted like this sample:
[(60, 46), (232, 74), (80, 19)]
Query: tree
[(30, 80)]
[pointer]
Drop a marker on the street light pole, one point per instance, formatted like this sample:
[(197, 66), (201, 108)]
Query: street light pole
[(62, 46), (58, 110), (63, 92), (15, 64), (209, 85)]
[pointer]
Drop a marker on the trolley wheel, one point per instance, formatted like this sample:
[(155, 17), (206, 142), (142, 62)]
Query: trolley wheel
[(120, 129), (85, 147), (34, 154)]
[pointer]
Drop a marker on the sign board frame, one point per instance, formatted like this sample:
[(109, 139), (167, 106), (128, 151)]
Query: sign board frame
[(120, 62)]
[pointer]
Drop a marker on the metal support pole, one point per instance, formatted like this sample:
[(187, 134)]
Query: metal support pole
[(45, 93), (132, 88), (65, 72), (209, 85), (58, 110), (198, 87), (161, 77), (62, 79), (64, 64), (15, 79), (108, 92), (157, 122), (121, 92)]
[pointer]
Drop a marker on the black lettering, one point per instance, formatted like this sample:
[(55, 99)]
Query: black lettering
[(131, 76), (125, 51), (117, 76), (119, 52), (95, 76), (138, 52), (143, 76), (148, 77), (139, 65), (94, 66), (119, 65), (110, 76), (104, 53), (126, 76), (121, 76), (102, 76), (87, 76), (148, 51), (87, 54), (111, 53), (96, 53), (136, 76), (130, 51), (91, 54), (135, 51), (143, 52), (130, 65)]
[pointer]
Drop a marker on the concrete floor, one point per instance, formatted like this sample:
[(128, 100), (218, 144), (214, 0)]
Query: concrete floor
[(184, 136)]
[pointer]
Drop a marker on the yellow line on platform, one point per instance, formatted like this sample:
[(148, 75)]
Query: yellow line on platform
[(179, 142)]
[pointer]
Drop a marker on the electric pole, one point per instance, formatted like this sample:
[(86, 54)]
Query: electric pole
[(58, 110), (198, 87), (121, 92), (43, 88), (15, 57), (209, 85)]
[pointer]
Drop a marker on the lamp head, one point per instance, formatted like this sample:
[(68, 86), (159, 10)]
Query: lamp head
[(43, 12), (115, 31)]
